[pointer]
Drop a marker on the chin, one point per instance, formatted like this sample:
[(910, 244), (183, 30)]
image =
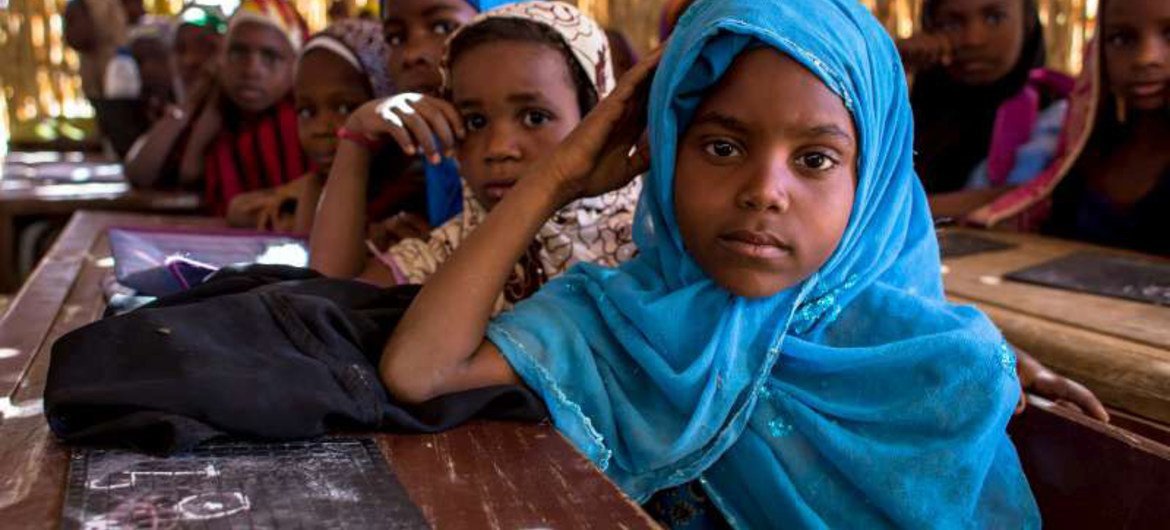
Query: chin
[(753, 284)]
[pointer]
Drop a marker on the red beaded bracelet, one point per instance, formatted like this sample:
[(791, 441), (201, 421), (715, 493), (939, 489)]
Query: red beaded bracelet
[(358, 138)]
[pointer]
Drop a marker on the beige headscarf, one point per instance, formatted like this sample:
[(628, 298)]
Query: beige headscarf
[(596, 230)]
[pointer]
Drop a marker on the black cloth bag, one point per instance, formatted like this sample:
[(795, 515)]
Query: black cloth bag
[(264, 352)]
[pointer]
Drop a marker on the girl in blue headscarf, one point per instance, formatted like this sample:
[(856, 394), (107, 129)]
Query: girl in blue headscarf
[(782, 338)]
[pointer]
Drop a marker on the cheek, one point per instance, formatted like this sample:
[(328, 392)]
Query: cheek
[(469, 155), (824, 210)]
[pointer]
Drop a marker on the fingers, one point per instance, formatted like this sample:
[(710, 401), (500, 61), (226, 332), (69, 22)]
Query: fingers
[(420, 125), (1085, 399)]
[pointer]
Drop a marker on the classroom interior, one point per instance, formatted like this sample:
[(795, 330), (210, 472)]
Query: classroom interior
[(310, 264)]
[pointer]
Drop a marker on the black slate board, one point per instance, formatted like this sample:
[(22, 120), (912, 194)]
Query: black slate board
[(957, 245), (1103, 274), (334, 483)]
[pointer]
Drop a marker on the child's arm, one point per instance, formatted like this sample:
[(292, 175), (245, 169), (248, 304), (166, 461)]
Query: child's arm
[(439, 347), (412, 121), (203, 132), (307, 203), (148, 156)]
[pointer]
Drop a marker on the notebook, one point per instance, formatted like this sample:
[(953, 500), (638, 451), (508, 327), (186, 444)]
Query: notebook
[(159, 262)]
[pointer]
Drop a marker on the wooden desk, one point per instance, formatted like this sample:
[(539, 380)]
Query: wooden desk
[(483, 475), (1088, 474), (1118, 348), (33, 185)]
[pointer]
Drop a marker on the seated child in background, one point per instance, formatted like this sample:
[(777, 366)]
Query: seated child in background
[(198, 44), (239, 134), (416, 32), (1110, 182), (782, 337), (339, 69), (986, 112), (520, 78)]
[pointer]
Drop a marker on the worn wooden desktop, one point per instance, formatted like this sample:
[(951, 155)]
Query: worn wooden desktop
[(1118, 348), (483, 475), (96, 184)]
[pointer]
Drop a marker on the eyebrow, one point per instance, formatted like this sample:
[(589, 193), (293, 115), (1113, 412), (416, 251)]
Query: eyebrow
[(739, 126), (829, 129), (520, 98), (722, 120), (437, 10)]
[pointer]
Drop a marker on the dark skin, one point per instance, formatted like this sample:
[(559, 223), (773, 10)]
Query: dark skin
[(79, 33), (194, 49), (985, 38), (505, 116), (763, 192), (327, 90), (416, 31), (439, 346), (978, 42), (134, 9), (258, 70), (513, 114), (1136, 46)]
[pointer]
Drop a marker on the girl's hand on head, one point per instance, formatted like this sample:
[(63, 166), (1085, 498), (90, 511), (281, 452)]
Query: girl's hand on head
[(418, 123), (923, 50), (599, 155)]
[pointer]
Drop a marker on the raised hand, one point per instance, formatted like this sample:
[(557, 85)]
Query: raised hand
[(418, 123), (600, 155)]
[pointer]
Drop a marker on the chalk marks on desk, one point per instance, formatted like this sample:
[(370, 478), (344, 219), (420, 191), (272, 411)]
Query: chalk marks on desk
[(334, 483)]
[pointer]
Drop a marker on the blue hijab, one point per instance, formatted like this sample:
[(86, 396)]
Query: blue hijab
[(857, 398), (443, 184)]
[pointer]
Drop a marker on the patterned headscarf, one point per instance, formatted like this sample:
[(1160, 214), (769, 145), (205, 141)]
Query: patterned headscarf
[(581, 34), (359, 43), (593, 230), (277, 14)]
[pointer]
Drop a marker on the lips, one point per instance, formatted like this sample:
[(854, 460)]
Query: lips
[(497, 189), (754, 244), (1147, 89)]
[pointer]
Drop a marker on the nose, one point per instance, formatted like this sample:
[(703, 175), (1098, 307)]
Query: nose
[(971, 35), (1153, 52), (502, 143), (325, 124), (417, 51), (766, 185)]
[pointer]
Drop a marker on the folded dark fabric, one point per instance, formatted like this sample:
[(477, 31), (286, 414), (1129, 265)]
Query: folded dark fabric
[(266, 352)]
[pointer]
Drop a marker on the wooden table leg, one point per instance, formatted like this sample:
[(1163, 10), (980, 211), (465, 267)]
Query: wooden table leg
[(9, 281)]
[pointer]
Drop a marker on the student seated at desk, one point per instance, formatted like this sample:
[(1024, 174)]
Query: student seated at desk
[(239, 134), (1110, 181), (987, 112), (520, 77), (416, 32), (197, 46), (782, 339), (339, 69)]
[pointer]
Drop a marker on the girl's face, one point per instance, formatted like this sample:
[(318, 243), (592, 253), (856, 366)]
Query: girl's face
[(762, 191), (416, 31), (516, 110), (1136, 43), (258, 71), (988, 36), (327, 89)]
